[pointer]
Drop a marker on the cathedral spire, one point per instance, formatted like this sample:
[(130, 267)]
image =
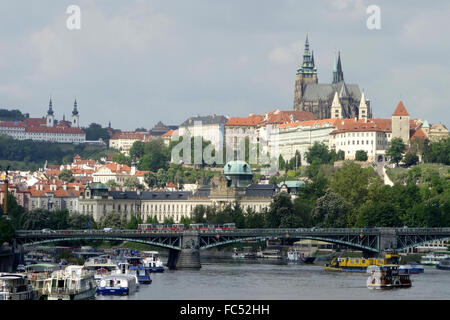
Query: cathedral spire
[(307, 67), (338, 74), (50, 107), (336, 107)]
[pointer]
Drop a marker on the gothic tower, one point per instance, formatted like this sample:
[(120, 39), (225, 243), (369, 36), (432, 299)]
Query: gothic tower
[(363, 108), (307, 73), (400, 123), (336, 107), (50, 115), (75, 116)]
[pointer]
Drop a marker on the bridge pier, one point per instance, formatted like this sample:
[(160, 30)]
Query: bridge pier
[(189, 256)]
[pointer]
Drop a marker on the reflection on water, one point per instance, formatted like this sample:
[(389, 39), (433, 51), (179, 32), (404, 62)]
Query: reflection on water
[(279, 280)]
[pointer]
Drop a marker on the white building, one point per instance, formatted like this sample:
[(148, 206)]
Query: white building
[(46, 128), (123, 141)]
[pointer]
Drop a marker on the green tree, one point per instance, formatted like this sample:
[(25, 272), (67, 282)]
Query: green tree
[(95, 131), (361, 155), (7, 231), (131, 183), (280, 206), (37, 220), (137, 149), (395, 150), (332, 211), (379, 214), (112, 184), (410, 159), (156, 156), (111, 220), (351, 182), (59, 219), (199, 214), (121, 159), (66, 175), (81, 222), (133, 223), (150, 179)]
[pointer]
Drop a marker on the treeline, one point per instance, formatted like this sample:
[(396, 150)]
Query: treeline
[(30, 155), (12, 115)]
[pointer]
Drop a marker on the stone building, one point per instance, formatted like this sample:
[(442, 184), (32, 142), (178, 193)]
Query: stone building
[(235, 186), (315, 97)]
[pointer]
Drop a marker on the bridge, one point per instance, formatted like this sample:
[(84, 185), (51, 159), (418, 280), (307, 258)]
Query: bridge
[(185, 246)]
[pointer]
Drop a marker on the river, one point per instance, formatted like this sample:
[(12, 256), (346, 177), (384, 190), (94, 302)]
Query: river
[(236, 280)]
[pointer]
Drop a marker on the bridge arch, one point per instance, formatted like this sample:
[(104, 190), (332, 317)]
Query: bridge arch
[(103, 238), (229, 240), (421, 243)]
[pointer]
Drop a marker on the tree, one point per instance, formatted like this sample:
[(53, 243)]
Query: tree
[(253, 220), (133, 223), (340, 155), (137, 149), (111, 220), (280, 206), (82, 221), (319, 152), (410, 159), (37, 220), (112, 184), (332, 211), (7, 231), (66, 175), (351, 182), (59, 219), (361, 155), (379, 214), (121, 159), (156, 156), (131, 183), (395, 150), (95, 132), (198, 214), (150, 179)]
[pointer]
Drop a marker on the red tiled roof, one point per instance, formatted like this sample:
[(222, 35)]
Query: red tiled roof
[(401, 110), (54, 130), (249, 121), (35, 122), (350, 125), (419, 134), (11, 124), (310, 123), (168, 133)]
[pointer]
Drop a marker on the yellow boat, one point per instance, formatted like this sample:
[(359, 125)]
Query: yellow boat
[(360, 264)]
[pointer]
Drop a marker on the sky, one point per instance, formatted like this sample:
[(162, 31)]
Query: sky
[(138, 62)]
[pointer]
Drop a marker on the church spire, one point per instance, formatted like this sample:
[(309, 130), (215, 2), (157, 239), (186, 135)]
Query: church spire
[(50, 108), (308, 66), (338, 74), (75, 110), (336, 107)]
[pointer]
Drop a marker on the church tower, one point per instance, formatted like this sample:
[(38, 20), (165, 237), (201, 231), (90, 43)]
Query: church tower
[(400, 123), (336, 107), (363, 108), (75, 116), (50, 115), (307, 73)]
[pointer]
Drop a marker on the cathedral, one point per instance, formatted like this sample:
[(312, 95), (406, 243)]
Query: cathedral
[(335, 100)]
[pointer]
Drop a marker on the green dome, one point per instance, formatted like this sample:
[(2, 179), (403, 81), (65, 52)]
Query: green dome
[(237, 168)]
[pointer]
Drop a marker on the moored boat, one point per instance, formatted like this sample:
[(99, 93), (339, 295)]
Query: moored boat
[(16, 286), (117, 284), (269, 254), (152, 261), (73, 283), (444, 264), (387, 277), (433, 258)]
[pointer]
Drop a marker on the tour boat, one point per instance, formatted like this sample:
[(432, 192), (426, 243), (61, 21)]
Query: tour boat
[(294, 255), (411, 268), (125, 268), (444, 264), (434, 258), (117, 284), (360, 264), (387, 277), (152, 262), (73, 283), (142, 273), (16, 286)]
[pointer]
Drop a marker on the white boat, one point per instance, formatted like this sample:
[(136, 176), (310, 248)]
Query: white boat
[(294, 255), (125, 268), (386, 277), (101, 266), (269, 254), (434, 258), (246, 254), (152, 262), (16, 286), (117, 284), (73, 283)]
